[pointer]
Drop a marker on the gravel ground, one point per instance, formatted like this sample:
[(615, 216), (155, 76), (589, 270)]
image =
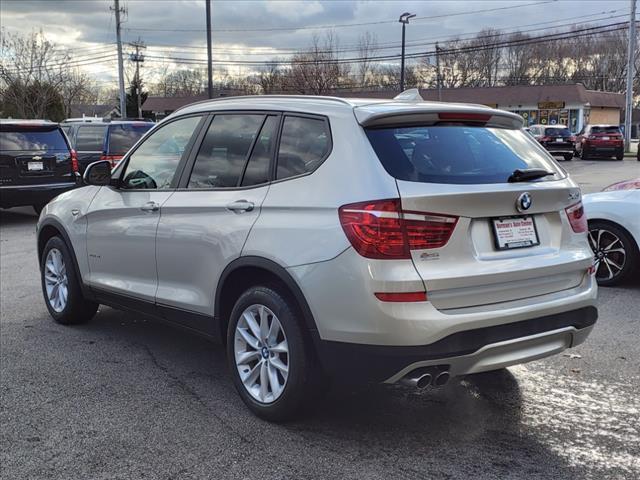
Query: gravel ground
[(127, 398)]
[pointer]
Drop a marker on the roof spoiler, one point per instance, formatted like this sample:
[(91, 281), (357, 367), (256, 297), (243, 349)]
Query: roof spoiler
[(411, 95)]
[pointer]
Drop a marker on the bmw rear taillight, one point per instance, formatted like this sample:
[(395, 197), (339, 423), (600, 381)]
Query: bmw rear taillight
[(74, 162), (577, 217), (381, 229)]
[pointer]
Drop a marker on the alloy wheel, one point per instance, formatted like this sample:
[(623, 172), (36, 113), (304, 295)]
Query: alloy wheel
[(261, 353), (610, 254), (55, 280)]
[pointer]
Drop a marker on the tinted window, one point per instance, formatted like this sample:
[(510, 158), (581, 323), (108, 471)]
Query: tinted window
[(123, 137), (304, 144), (456, 154), (557, 132), (17, 138), (154, 163), (224, 151), (90, 138), (257, 170), (605, 129)]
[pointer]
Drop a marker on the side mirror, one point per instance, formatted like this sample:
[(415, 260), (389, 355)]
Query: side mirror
[(98, 173)]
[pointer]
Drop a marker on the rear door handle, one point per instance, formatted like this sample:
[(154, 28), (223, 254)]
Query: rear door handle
[(150, 207), (240, 206)]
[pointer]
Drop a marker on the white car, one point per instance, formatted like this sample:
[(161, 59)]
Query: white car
[(614, 231), (394, 241)]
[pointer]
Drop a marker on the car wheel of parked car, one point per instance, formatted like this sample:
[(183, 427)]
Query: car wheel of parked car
[(38, 207), (620, 155), (61, 287), (584, 154), (568, 157), (271, 362), (615, 252)]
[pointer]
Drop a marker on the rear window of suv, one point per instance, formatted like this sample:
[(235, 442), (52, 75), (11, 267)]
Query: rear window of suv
[(557, 132), (605, 129), (123, 137), (28, 138), (457, 154)]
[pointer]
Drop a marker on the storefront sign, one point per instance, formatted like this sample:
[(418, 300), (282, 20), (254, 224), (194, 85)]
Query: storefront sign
[(550, 105)]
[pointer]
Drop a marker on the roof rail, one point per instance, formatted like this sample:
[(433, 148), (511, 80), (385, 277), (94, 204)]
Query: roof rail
[(235, 97)]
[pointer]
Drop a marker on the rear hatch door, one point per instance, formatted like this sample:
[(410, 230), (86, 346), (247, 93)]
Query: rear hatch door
[(34, 154), (512, 239)]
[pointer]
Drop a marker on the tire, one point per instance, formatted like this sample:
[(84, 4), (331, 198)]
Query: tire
[(284, 394), (583, 154), (620, 155), (568, 157), (74, 309), (38, 207), (616, 253)]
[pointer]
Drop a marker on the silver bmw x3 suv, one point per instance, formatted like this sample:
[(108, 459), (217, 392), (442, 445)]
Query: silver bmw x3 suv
[(327, 238)]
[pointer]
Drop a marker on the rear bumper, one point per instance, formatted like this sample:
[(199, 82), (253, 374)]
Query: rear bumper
[(21, 195), (465, 352)]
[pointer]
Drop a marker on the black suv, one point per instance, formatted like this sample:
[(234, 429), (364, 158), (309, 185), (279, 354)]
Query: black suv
[(556, 139), (104, 140), (36, 163)]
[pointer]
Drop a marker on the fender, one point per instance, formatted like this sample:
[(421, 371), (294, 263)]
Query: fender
[(275, 269), (52, 222)]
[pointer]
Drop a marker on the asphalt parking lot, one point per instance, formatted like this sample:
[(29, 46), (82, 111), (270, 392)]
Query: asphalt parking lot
[(125, 397)]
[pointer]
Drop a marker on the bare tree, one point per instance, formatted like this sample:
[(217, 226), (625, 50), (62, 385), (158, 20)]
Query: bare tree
[(270, 77), (32, 73), (76, 89), (367, 48), (317, 70)]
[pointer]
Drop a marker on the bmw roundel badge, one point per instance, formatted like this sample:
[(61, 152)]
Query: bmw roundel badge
[(524, 202)]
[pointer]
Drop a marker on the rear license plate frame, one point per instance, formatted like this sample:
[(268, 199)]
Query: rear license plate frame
[(503, 245), (35, 166)]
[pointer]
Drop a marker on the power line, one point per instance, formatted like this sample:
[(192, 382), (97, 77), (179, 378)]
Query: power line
[(342, 25)]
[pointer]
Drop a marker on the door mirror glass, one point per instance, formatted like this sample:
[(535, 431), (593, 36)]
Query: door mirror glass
[(98, 173)]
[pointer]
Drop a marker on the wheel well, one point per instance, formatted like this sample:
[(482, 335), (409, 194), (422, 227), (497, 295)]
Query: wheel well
[(46, 234), (244, 277)]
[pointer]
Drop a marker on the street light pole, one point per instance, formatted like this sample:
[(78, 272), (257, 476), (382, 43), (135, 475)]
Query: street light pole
[(209, 59), (630, 74), (404, 20)]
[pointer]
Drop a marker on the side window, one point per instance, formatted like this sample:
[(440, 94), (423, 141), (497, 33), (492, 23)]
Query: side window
[(303, 146), (257, 170), (90, 138), (154, 163), (224, 151)]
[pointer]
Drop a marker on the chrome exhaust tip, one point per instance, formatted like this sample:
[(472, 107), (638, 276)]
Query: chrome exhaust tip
[(421, 381), (441, 379)]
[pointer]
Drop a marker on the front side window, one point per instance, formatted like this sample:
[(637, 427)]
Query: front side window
[(223, 154), (154, 163), (457, 154), (90, 138), (304, 144)]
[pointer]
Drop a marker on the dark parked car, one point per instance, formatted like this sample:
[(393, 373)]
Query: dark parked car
[(557, 139), (104, 140), (36, 163), (601, 141)]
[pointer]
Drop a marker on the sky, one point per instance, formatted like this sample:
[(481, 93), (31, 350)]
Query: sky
[(261, 30)]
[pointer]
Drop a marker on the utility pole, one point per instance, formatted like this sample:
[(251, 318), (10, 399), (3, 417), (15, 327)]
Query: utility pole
[(438, 75), (209, 60), (123, 98), (404, 20), (138, 58), (630, 74)]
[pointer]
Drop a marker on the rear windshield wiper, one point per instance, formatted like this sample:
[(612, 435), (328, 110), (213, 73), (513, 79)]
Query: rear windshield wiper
[(528, 174)]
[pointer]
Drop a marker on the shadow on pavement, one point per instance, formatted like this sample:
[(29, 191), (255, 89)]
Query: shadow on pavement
[(473, 421), (17, 216)]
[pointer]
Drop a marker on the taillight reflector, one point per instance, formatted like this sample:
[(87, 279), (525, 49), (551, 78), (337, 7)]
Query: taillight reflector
[(577, 217), (381, 229), (74, 162), (402, 297)]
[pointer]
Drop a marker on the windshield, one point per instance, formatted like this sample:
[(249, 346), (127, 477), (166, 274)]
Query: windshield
[(458, 154), (123, 137), (29, 138)]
